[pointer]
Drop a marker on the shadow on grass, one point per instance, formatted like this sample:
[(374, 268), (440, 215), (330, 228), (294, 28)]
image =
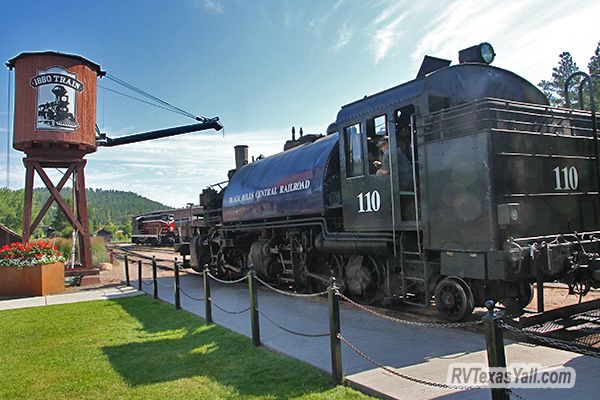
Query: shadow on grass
[(179, 345)]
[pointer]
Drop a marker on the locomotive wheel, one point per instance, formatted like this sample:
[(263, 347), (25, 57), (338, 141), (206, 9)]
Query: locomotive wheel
[(515, 305), (323, 267), (364, 280), (235, 263), (526, 295), (454, 299), (202, 257)]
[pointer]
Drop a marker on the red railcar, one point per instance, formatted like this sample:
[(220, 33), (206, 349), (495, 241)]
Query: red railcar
[(154, 229)]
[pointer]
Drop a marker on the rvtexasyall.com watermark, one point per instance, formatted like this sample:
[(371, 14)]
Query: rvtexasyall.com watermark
[(518, 375)]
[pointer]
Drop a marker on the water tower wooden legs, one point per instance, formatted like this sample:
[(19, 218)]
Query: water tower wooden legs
[(79, 219)]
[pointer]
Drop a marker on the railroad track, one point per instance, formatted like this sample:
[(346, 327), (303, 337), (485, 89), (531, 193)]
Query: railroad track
[(141, 253)]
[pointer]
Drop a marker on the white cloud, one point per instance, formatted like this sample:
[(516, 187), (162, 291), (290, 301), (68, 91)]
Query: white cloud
[(528, 36), (214, 6), (344, 36), (385, 38)]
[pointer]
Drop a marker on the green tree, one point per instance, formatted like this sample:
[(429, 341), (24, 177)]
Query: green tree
[(11, 209), (555, 88), (594, 68), (60, 222)]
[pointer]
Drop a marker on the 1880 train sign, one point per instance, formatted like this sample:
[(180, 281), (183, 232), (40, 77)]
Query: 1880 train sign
[(56, 99)]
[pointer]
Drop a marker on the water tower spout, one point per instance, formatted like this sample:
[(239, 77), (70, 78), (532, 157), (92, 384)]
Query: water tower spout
[(211, 123)]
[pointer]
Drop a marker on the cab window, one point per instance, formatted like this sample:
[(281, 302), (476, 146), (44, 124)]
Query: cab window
[(354, 153), (376, 130)]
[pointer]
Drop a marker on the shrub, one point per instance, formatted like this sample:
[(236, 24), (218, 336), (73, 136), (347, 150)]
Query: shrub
[(98, 249), (99, 253)]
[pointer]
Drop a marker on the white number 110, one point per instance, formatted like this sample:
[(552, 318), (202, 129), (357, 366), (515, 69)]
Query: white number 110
[(568, 180), (369, 202)]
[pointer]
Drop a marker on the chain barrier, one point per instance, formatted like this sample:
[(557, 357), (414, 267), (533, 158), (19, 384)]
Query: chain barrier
[(283, 292), (310, 335), (553, 342), (401, 375), (228, 311), (164, 284), (511, 392), (242, 279), (407, 322), (183, 292)]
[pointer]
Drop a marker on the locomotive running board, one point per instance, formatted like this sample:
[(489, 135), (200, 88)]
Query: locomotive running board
[(558, 313)]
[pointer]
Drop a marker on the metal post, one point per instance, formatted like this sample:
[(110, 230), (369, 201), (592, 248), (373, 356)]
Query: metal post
[(539, 281), (177, 298), (139, 274), (154, 280), (254, 307), (494, 342), (334, 330), (207, 305), (127, 270)]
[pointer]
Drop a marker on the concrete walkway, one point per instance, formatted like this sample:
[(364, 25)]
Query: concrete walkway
[(419, 352), (83, 295)]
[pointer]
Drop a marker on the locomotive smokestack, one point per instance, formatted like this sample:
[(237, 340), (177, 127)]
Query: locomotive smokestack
[(241, 156)]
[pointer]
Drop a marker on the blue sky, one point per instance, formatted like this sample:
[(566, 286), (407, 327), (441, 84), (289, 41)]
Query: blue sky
[(264, 66)]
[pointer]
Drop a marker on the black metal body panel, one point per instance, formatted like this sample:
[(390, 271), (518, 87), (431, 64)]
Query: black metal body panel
[(456, 194), (494, 171)]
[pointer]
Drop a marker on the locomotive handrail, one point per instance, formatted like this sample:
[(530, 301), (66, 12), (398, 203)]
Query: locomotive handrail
[(552, 238), (590, 83), (318, 221), (550, 119)]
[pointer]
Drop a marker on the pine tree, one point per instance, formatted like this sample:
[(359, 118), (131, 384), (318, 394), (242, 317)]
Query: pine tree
[(555, 89), (594, 69)]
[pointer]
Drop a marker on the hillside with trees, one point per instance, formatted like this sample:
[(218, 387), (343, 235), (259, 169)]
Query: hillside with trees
[(109, 209)]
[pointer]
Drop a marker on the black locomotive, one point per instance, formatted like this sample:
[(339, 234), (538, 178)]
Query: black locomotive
[(56, 113), (488, 190)]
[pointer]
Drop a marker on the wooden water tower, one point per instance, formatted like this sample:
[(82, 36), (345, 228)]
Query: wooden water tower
[(55, 125)]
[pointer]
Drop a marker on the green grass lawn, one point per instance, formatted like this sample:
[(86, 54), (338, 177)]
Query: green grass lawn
[(138, 348)]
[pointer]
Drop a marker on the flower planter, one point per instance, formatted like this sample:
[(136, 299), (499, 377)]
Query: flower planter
[(32, 281)]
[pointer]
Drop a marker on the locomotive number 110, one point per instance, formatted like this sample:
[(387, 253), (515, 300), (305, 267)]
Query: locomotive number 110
[(566, 178), (369, 202)]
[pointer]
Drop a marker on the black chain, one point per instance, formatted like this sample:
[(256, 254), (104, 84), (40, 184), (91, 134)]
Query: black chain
[(225, 281), (164, 284), (188, 296), (407, 322), (511, 392), (400, 375), (310, 335), (227, 311), (553, 342), (283, 292)]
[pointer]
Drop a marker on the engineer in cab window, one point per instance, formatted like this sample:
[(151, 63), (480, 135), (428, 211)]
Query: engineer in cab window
[(404, 165)]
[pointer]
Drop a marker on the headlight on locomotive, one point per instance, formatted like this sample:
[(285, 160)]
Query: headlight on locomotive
[(482, 53)]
